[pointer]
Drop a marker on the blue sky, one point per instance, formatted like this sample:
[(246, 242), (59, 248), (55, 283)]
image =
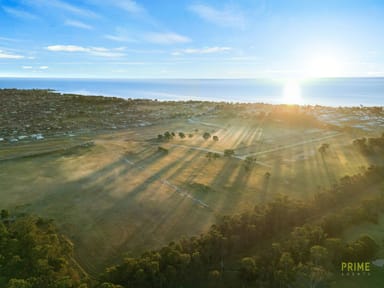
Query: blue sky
[(191, 39)]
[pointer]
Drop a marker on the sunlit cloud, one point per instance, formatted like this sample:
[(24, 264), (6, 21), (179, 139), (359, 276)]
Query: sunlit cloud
[(66, 48), (166, 38), (121, 35), (131, 7), (227, 17), (78, 24), (21, 14), (6, 55), (7, 39), (95, 51), (207, 50), (27, 67), (63, 6), (119, 38)]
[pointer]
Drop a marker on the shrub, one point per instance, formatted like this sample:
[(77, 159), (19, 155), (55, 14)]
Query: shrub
[(206, 135)]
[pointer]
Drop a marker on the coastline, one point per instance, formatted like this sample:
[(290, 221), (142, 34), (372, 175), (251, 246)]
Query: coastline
[(333, 92)]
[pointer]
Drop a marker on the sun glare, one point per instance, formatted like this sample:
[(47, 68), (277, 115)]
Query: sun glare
[(292, 92), (325, 65)]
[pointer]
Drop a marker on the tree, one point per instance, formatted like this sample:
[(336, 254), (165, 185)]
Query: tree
[(319, 255), (311, 276), (286, 265), (248, 269), (215, 138), (206, 135), (4, 214), (363, 249), (181, 135), (323, 148), (18, 283), (109, 285), (167, 135), (214, 276), (33, 255), (249, 162), (335, 247)]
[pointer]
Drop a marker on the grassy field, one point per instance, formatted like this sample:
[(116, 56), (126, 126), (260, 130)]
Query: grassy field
[(122, 194)]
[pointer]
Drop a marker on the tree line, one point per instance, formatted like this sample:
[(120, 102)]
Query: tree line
[(284, 243), (370, 145)]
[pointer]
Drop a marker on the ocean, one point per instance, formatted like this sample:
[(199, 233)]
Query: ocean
[(324, 91)]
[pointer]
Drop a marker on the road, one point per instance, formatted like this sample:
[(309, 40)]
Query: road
[(243, 157), (290, 145)]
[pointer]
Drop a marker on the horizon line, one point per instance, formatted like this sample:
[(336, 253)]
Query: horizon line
[(192, 78)]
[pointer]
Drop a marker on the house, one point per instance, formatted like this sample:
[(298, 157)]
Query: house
[(38, 136)]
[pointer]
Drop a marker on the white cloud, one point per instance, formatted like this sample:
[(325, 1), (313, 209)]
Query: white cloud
[(62, 5), (228, 17), (20, 13), (119, 38), (6, 55), (78, 24), (66, 48), (206, 50), (130, 6), (166, 38), (6, 39), (121, 35), (25, 67), (96, 51), (136, 10)]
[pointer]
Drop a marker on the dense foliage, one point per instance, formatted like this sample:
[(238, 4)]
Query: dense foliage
[(34, 255), (370, 145), (282, 244)]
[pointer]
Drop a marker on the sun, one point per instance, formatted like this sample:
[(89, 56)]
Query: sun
[(292, 92)]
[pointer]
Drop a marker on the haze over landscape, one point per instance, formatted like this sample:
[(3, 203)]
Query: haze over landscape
[(171, 144)]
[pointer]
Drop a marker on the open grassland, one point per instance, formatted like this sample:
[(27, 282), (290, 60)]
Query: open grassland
[(123, 194)]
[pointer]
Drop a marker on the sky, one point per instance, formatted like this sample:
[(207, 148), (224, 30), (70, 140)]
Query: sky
[(191, 39)]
